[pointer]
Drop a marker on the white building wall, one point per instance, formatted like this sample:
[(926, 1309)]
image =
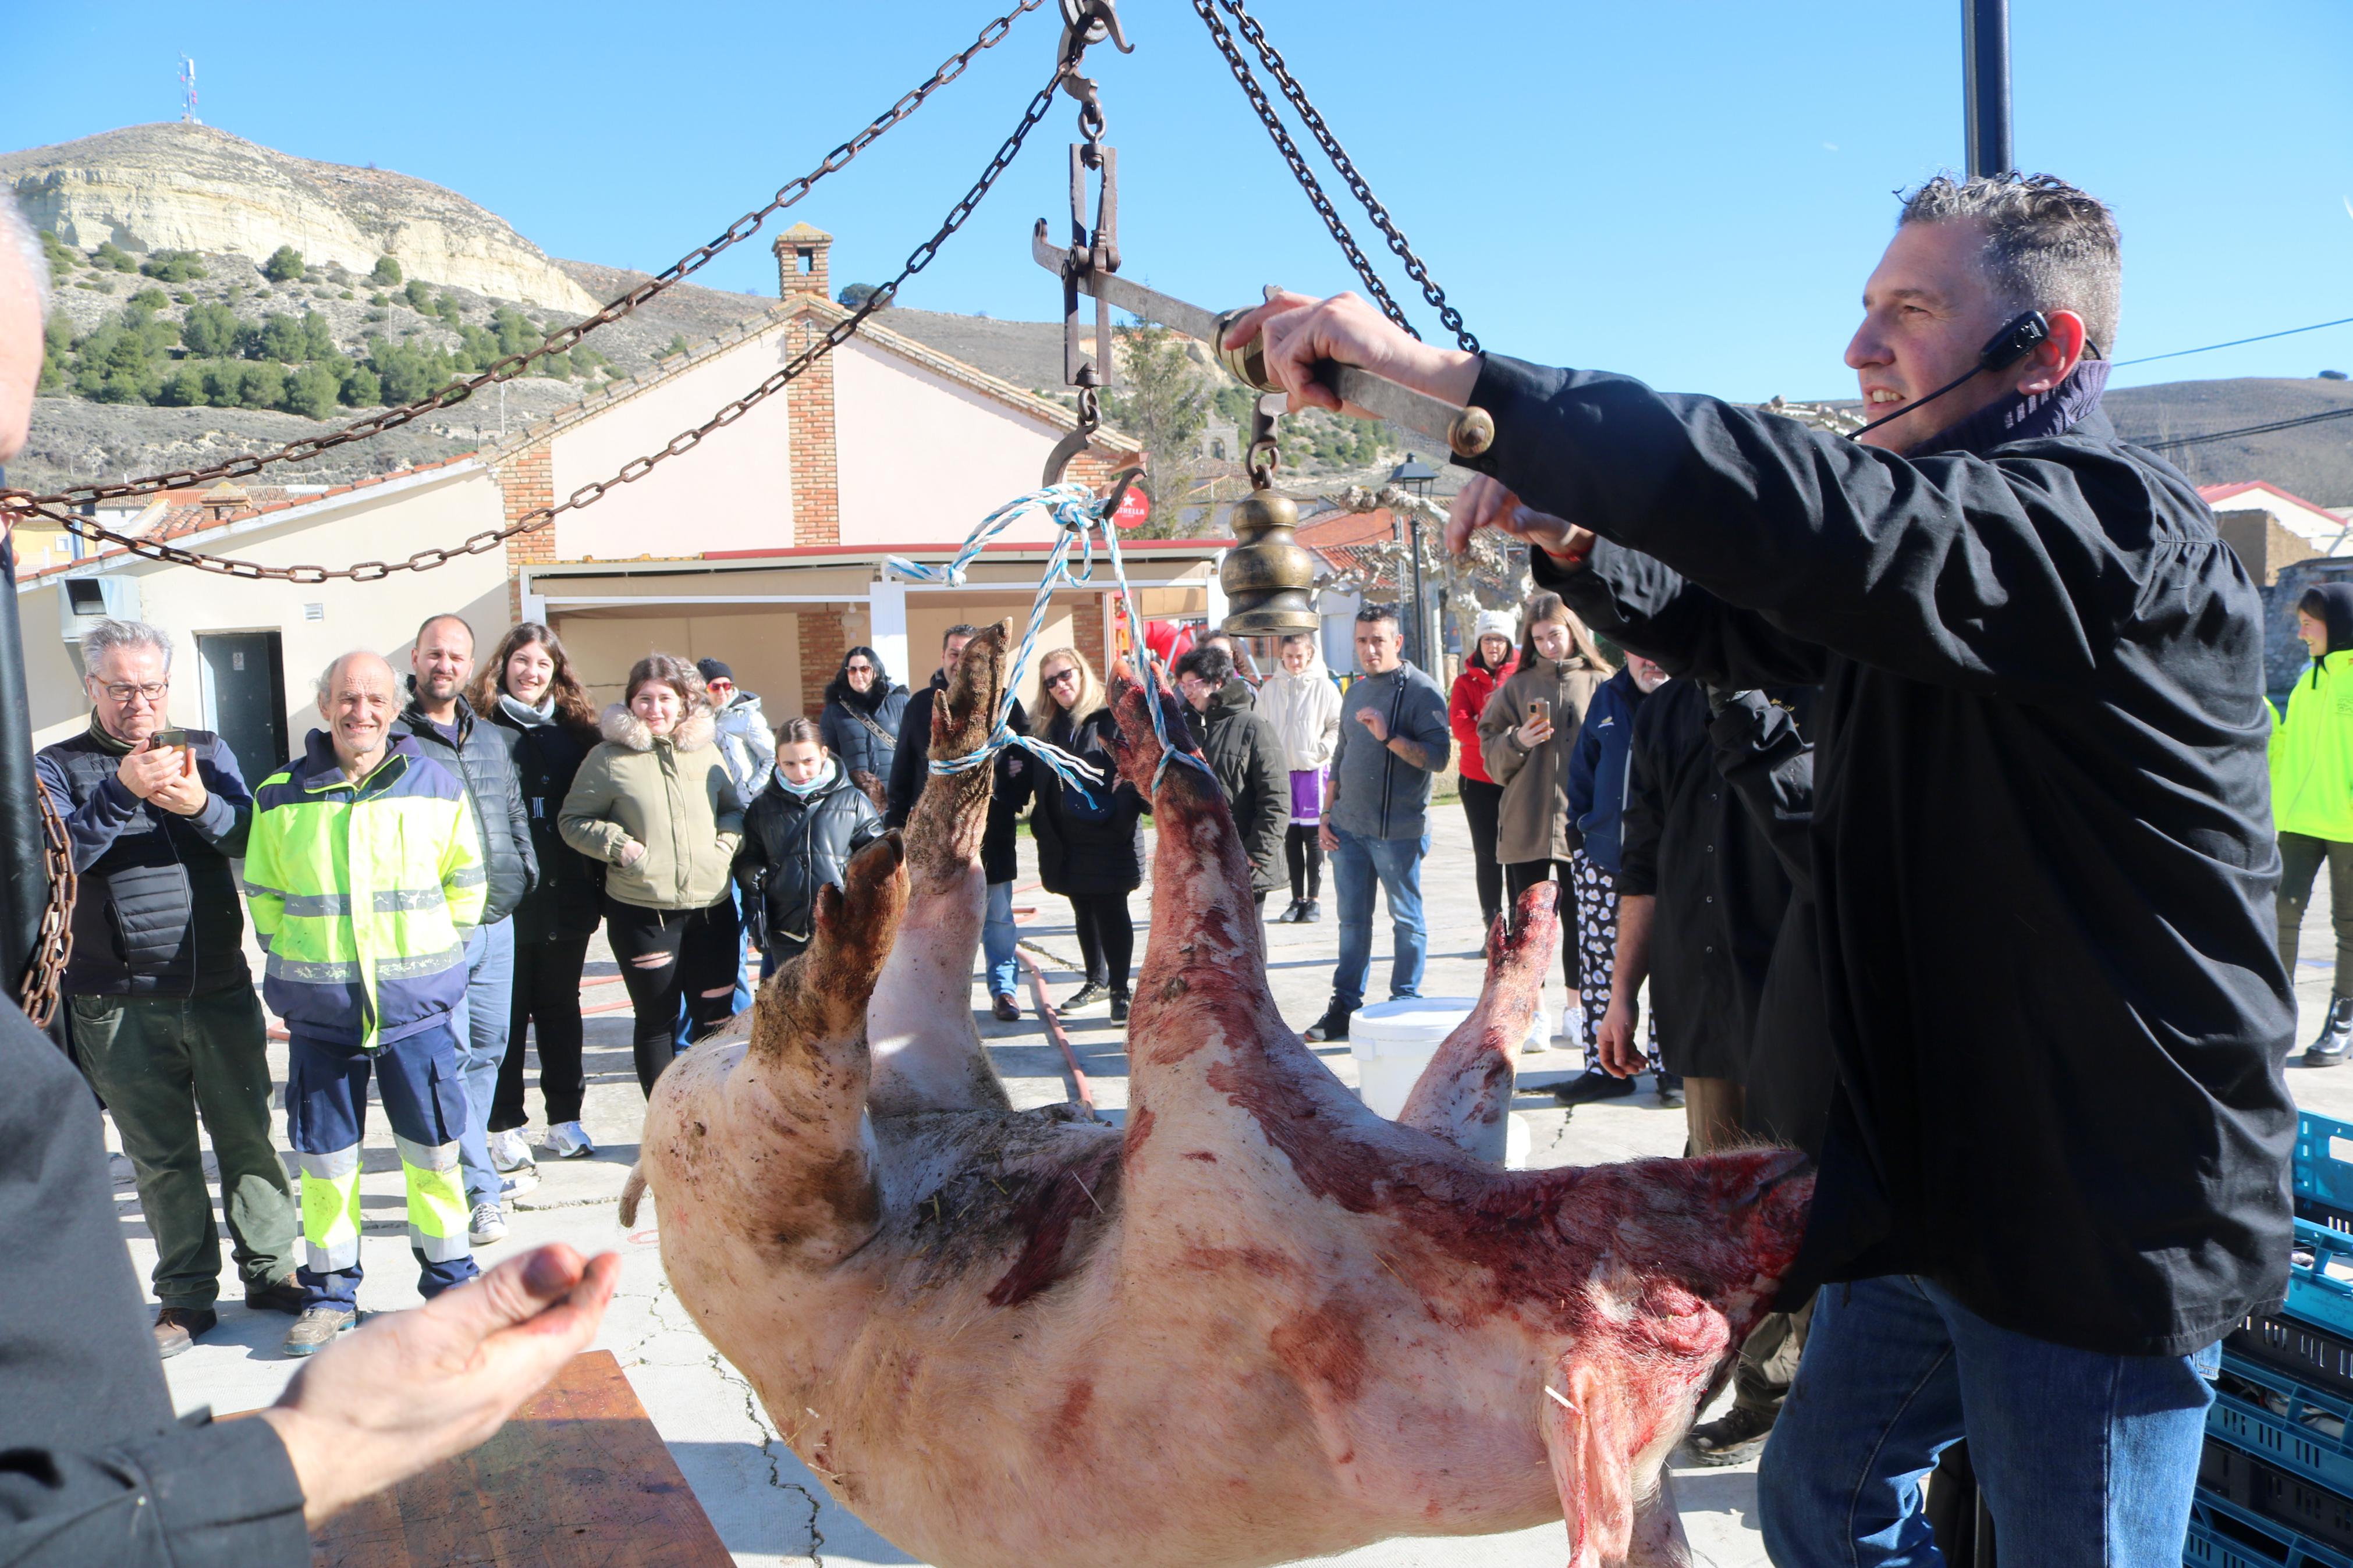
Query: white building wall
[(381, 616), (732, 492), (920, 457)]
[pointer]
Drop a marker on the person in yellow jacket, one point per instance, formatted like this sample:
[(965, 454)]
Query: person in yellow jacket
[(2312, 801), (656, 804), (364, 873)]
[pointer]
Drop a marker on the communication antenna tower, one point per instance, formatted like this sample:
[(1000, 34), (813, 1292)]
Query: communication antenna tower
[(188, 91)]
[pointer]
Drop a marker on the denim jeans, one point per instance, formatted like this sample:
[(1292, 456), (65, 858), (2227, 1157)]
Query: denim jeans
[(2082, 1458), (1397, 863), (997, 940), (481, 1019)]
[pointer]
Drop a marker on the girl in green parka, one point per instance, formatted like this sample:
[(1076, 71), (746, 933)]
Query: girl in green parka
[(2312, 800)]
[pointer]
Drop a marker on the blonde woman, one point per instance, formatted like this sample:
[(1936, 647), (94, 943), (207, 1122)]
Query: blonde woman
[(655, 802), (1301, 700), (1089, 842)]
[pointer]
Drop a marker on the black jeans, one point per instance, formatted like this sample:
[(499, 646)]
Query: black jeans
[(546, 999), (1302, 847), (1106, 938), (2300, 858), (1481, 803), (697, 951), (1521, 875)]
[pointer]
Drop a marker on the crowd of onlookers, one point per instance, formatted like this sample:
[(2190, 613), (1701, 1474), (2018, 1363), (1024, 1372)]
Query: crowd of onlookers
[(425, 878)]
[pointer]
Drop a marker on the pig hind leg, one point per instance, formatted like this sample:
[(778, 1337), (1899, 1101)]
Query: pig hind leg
[(925, 1049), (1464, 1096)]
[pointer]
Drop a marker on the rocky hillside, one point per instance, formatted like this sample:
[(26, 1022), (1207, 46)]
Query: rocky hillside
[(193, 187)]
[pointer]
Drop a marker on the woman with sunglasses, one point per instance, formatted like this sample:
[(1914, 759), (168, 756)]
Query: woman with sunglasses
[(1090, 843), (860, 725)]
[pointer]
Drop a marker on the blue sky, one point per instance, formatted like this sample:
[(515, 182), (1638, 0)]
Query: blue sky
[(1692, 193)]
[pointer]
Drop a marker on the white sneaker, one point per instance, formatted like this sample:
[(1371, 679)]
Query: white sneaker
[(509, 1151), (568, 1141), (486, 1225)]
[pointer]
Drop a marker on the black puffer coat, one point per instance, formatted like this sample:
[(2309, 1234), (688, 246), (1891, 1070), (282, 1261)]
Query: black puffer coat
[(1092, 845), (844, 728), (1245, 754), (570, 894), (792, 846), (158, 914), (484, 758)]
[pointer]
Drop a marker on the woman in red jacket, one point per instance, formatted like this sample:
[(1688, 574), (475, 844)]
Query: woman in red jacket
[(1493, 657)]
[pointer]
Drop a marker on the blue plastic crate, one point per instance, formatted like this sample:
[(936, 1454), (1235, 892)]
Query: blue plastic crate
[(2323, 1176), (2221, 1532), (2312, 1294), (2297, 1436)]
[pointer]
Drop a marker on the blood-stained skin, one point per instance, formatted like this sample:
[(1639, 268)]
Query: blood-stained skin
[(1260, 1324)]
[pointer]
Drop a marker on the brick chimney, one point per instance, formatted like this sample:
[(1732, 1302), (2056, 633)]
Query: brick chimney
[(801, 266)]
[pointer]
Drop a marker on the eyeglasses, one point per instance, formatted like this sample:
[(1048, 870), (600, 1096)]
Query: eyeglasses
[(1063, 676), (124, 690), (858, 669)]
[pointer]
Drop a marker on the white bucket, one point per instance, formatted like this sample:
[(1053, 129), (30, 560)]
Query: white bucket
[(1393, 1042)]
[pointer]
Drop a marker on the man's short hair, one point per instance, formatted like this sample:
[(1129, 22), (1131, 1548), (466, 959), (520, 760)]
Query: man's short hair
[(111, 637), (1368, 613), (1213, 665), (2048, 247), (16, 231), (958, 630), (429, 622)]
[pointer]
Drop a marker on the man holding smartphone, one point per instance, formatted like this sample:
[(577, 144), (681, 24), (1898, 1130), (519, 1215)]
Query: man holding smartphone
[(164, 1017)]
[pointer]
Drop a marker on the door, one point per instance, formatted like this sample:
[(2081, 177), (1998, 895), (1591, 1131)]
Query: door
[(245, 699)]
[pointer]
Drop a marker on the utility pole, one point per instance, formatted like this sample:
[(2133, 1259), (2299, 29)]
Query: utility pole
[(1985, 85)]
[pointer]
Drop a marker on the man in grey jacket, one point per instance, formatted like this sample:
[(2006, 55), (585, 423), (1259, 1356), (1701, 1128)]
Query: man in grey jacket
[(1393, 742)]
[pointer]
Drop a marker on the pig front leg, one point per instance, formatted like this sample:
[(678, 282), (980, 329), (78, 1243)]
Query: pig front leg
[(1464, 1095), (924, 1047)]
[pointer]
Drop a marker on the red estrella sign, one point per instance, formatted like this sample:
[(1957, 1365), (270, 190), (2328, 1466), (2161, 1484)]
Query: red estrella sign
[(1134, 507)]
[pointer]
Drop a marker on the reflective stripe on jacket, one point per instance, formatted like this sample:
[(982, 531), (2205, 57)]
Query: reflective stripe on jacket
[(2312, 754), (363, 894)]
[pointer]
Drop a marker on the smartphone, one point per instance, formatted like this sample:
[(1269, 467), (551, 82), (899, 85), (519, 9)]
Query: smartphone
[(163, 738), (1539, 710)]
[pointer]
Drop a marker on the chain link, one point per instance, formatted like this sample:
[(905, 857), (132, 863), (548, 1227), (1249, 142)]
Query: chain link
[(636, 468), (1207, 10), (1314, 119), (564, 338), (53, 947)]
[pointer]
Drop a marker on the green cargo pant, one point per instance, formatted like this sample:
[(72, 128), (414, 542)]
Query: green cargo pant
[(159, 1063)]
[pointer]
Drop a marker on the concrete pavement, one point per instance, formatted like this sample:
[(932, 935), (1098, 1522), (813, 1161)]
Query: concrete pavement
[(767, 1508)]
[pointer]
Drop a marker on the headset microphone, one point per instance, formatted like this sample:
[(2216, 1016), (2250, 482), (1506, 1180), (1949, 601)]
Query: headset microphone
[(2017, 339)]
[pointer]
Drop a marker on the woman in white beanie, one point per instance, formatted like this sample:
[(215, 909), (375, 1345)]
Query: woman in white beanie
[(1492, 662), (1300, 701)]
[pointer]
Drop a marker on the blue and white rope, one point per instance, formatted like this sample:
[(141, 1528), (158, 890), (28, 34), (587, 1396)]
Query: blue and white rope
[(1080, 517)]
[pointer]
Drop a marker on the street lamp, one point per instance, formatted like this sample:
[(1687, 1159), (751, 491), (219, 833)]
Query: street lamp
[(1415, 476)]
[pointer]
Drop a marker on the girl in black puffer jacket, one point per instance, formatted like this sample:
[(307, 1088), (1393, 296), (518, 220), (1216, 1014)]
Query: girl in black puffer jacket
[(799, 834)]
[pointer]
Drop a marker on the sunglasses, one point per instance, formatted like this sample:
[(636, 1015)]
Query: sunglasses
[(1062, 676)]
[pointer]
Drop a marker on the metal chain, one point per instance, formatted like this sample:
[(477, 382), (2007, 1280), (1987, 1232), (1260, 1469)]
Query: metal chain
[(1207, 10), (629, 472), (53, 947), (1314, 119), (564, 338)]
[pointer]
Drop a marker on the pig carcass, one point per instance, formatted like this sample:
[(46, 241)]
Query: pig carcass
[(1258, 1323)]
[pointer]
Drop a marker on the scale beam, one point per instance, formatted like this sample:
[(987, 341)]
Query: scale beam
[(1466, 432)]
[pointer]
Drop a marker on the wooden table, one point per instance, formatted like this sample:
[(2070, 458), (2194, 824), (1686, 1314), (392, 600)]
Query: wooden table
[(579, 1478)]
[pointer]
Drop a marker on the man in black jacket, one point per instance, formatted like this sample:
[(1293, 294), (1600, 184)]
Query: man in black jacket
[(445, 728), (2055, 1171), (1245, 753), (164, 1017), (911, 768)]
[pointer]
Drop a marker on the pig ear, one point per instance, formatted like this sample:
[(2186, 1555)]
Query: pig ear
[(1586, 1435)]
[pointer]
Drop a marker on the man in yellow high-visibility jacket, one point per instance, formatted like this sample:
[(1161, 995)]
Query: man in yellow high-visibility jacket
[(365, 873)]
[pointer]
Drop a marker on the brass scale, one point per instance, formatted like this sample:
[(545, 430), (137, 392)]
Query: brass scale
[(1267, 577)]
